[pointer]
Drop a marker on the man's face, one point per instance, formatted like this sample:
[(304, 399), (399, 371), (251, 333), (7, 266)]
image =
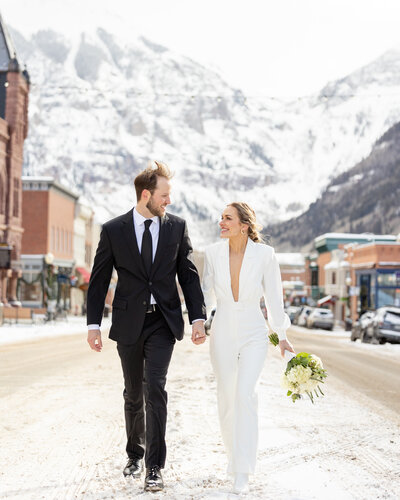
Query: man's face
[(160, 199)]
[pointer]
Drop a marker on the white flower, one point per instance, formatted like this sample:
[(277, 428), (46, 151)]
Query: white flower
[(298, 379), (318, 362), (299, 374), (309, 386)]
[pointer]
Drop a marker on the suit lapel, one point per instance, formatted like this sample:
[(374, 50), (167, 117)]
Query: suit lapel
[(163, 238), (128, 230)]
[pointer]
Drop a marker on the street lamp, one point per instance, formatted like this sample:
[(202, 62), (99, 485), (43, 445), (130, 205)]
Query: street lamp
[(49, 259), (348, 312)]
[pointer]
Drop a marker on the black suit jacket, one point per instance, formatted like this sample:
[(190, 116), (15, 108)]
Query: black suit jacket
[(118, 248)]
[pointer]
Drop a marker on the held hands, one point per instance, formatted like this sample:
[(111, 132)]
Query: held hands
[(198, 333), (94, 340), (285, 345)]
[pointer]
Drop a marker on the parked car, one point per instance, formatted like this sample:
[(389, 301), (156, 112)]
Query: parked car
[(320, 318), (207, 324), (359, 326), (296, 315), (291, 311), (302, 318), (385, 326)]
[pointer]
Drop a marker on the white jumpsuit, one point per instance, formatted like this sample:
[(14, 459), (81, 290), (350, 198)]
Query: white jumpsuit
[(239, 341)]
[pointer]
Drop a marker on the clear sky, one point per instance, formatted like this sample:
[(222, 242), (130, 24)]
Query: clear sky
[(266, 47)]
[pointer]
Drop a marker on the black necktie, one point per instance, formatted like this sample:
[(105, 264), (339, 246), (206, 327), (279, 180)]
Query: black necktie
[(147, 247)]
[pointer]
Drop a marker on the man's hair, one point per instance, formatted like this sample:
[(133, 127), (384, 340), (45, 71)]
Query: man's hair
[(149, 177)]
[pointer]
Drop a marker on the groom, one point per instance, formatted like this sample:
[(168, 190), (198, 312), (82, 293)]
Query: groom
[(148, 248)]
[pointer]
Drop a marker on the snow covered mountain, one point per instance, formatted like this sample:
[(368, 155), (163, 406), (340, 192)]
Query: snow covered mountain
[(362, 199), (101, 106)]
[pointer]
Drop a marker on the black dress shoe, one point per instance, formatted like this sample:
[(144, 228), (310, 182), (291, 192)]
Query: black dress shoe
[(154, 480), (134, 467)]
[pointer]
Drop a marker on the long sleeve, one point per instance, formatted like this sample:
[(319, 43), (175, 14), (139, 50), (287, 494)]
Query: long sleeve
[(208, 284), (189, 279), (273, 294), (99, 280)]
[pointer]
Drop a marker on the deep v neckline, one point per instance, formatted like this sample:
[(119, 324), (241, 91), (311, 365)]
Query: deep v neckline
[(240, 271)]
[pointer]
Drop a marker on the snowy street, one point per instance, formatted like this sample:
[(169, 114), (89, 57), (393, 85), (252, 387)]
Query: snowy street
[(62, 427)]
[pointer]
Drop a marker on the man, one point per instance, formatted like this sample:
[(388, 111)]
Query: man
[(148, 248)]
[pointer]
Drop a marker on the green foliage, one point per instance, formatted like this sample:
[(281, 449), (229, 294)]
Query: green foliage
[(50, 284), (274, 339)]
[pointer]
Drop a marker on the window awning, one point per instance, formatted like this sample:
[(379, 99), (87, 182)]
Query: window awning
[(84, 273), (325, 300)]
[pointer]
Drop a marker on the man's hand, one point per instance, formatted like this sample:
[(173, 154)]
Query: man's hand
[(198, 333), (94, 340), (285, 345)]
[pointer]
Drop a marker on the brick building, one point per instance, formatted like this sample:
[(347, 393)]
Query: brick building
[(375, 275), (47, 243), (330, 277), (14, 91), (326, 243)]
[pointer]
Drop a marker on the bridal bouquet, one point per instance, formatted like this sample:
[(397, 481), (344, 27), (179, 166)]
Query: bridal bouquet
[(303, 375)]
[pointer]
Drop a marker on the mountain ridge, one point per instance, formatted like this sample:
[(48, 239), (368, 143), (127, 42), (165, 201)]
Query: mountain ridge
[(363, 199), (101, 107)]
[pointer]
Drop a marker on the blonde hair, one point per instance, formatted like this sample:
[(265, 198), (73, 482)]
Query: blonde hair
[(248, 216), (147, 179)]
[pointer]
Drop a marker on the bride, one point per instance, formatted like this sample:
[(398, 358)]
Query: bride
[(237, 273)]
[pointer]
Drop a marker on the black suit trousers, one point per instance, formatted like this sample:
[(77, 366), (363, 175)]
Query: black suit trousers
[(145, 365)]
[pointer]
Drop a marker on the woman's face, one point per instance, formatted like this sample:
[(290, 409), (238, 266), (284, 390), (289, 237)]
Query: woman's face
[(230, 223)]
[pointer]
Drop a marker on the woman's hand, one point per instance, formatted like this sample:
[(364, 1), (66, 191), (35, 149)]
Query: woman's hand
[(285, 345)]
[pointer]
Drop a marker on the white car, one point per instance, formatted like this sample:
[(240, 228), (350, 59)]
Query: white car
[(321, 318), (302, 319)]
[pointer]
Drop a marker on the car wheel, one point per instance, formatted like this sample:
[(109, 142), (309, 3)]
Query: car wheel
[(364, 337)]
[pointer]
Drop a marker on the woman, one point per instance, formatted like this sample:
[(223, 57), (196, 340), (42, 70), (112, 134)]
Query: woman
[(237, 273)]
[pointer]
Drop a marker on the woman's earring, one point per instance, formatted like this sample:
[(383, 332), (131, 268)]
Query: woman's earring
[(241, 231)]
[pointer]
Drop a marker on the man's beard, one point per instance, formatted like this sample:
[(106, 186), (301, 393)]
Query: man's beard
[(153, 208)]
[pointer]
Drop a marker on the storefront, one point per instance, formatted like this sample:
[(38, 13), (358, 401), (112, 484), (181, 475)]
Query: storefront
[(375, 270), (44, 279), (378, 288)]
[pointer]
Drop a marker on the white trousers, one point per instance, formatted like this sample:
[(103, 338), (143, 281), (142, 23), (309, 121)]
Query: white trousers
[(238, 348)]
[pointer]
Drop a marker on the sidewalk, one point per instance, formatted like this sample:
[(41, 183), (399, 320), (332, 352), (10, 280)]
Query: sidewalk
[(10, 334)]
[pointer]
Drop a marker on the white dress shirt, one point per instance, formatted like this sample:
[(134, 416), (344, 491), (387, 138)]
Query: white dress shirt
[(138, 223)]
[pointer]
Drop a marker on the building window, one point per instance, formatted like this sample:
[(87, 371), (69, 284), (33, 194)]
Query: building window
[(31, 287), (62, 240), (58, 240), (333, 277), (389, 279), (388, 297), (53, 237), (16, 199)]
